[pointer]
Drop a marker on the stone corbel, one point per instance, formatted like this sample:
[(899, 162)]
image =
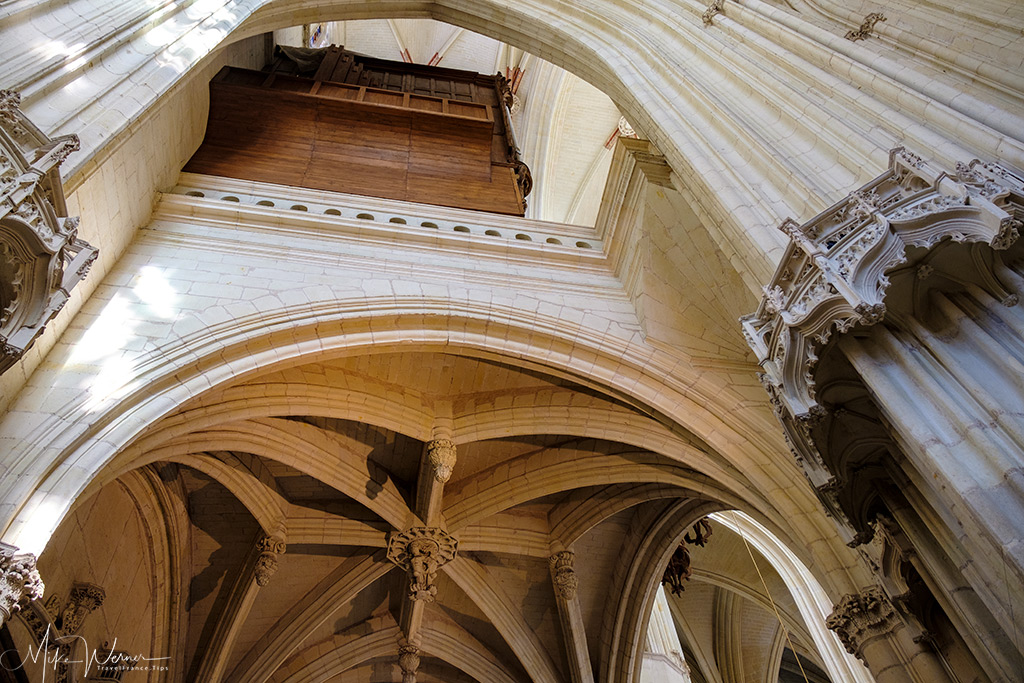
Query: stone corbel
[(441, 454), (83, 600), (19, 581), (409, 662), (267, 562), (421, 551), (563, 574)]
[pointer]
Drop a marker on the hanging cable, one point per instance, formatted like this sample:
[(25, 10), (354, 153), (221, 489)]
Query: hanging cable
[(774, 608)]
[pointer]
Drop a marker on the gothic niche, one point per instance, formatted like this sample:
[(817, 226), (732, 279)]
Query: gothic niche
[(41, 257), (678, 569)]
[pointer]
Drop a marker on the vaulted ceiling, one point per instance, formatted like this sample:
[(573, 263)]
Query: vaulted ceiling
[(328, 459)]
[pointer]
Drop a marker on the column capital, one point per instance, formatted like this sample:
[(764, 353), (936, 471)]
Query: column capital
[(20, 582), (862, 617)]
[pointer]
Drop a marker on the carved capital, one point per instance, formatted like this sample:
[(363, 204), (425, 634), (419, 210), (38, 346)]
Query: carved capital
[(862, 617), (84, 598), (563, 574), (409, 662), (421, 551), (267, 563), (441, 454), (19, 581)]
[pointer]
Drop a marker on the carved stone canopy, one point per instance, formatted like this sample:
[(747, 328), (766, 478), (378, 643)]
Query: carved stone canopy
[(421, 551), (41, 257), (908, 224), (833, 275)]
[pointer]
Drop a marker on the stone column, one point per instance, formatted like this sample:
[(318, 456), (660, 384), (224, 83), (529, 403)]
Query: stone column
[(954, 403), (869, 627), (19, 581)]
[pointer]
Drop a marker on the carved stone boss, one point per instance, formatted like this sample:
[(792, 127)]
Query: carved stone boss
[(832, 276), (266, 564), (421, 551), (860, 618), (409, 662), (41, 257)]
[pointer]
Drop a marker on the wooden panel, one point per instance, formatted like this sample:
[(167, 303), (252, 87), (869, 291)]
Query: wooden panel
[(332, 141)]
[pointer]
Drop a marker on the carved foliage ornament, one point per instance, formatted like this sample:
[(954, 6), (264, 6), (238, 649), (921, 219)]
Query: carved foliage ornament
[(19, 581), (860, 618), (41, 257), (833, 277), (866, 27), (716, 7), (421, 551)]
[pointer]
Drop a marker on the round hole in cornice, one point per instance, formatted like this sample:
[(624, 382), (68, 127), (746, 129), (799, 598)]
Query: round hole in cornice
[(552, 240), (332, 212), (229, 198), (524, 237), (492, 233), (264, 202), (583, 245), (396, 219), (460, 228), (195, 193), (299, 207), (365, 216), (428, 224)]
